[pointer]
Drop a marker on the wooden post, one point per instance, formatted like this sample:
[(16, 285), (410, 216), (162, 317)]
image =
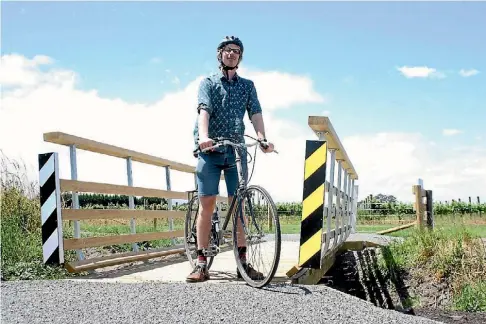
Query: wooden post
[(479, 203), (419, 206), (429, 209)]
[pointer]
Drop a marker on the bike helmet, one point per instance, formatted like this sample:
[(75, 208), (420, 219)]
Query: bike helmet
[(231, 40), (225, 41)]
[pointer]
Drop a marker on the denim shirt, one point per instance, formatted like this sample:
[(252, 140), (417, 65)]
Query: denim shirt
[(226, 101)]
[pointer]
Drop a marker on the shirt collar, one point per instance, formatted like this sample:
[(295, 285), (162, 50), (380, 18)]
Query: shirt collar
[(236, 77)]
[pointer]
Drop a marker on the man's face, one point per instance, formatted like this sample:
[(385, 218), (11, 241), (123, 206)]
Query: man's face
[(231, 55)]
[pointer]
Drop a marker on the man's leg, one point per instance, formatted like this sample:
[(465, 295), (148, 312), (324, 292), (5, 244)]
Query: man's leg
[(231, 178), (240, 234), (207, 175), (203, 225)]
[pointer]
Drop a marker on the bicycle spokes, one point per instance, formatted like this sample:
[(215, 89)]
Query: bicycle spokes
[(262, 230)]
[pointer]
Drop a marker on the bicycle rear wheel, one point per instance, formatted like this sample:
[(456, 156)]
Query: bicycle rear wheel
[(262, 232), (190, 235)]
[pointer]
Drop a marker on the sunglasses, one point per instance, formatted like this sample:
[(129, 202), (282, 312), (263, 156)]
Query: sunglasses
[(234, 50)]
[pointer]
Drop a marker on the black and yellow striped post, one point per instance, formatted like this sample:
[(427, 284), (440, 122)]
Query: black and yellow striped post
[(313, 204)]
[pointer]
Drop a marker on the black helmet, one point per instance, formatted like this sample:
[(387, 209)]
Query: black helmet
[(231, 40)]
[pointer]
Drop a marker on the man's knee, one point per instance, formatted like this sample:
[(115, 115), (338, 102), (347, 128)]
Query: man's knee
[(207, 203)]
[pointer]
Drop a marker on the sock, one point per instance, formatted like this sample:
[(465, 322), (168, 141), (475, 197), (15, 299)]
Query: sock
[(201, 258), (242, 253)]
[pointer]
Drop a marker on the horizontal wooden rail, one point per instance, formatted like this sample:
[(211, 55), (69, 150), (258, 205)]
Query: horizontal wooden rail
[(89, 214), (396, 229), (323, 125), (111, 150), (106, 188), (119, 258), (86, 242), (116, 151)]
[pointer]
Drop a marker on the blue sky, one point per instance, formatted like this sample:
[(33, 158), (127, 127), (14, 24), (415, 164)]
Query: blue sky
[(351, 51), (111, 44)]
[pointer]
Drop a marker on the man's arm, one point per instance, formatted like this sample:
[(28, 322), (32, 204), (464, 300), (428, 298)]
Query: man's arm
[(204, 109), (255, 113), (203, 123), (258, 124)]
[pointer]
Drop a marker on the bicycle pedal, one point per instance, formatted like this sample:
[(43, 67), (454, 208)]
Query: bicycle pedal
[(212, 251)]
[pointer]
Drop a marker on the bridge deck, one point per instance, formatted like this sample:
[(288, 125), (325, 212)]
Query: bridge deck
[(223, 268)]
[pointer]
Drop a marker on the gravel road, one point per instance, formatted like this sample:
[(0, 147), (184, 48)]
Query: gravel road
[(67, 301)]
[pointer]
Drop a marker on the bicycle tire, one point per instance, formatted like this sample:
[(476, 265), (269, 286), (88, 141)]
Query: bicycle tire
[(278, 243), (187, 225)]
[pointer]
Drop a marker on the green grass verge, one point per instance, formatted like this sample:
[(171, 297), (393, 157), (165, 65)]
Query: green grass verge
[(451, 256)]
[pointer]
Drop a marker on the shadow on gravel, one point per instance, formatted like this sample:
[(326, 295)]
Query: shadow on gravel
[(357, 273), (285, 288)]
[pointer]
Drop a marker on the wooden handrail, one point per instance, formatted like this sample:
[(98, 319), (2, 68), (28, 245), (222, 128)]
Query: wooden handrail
[(323, 124), (88, 214), (111, 150), (107, 188)]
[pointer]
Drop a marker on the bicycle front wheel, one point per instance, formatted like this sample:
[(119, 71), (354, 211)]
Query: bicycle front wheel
[(260, 234)]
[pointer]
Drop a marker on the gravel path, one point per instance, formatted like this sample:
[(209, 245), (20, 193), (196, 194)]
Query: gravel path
[(87, 302)]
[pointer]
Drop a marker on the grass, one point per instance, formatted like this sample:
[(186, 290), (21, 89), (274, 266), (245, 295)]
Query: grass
[(453, 256), (20, 227)]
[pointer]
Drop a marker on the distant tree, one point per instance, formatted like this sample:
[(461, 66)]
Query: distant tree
[(385, 198)]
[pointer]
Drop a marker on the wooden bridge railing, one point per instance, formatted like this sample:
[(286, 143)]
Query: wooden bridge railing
[(53, 215), (329, 202)]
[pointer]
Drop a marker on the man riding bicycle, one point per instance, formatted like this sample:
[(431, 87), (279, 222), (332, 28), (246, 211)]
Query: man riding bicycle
[(223, 99)]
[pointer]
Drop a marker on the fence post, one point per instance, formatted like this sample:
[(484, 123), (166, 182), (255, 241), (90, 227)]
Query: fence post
[(429, 209), (74, 195), (169, 201), (354, 214), (419, 206), (50, 201), (131, 202)]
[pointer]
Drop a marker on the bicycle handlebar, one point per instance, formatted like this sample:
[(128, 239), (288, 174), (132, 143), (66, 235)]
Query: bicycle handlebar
[(223, 141)]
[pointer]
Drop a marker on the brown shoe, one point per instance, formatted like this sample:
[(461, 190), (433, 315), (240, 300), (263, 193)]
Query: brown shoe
[(199, 274), (252, 273)]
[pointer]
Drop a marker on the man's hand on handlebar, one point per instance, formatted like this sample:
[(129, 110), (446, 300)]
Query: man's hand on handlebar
[(265, 146), (205, 142)]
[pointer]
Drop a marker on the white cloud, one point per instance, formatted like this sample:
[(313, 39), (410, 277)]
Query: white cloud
[(392, 162), (451, 132), (291, 89), (45, 101), (420, 72), (51, 102), (468, 73)]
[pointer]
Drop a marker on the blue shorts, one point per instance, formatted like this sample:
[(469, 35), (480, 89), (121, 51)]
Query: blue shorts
[(209, 167)]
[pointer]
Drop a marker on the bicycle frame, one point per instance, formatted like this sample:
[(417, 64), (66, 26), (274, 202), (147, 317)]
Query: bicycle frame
[(242, 186)]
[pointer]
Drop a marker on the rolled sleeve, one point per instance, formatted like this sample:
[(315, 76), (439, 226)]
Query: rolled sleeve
[(204, 96), (253, 106)]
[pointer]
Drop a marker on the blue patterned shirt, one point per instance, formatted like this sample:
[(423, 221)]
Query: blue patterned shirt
[(227, 101)]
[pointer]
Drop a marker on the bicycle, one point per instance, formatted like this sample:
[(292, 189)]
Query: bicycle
[(218, 235)]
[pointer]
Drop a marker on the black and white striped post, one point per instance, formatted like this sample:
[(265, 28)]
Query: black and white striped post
[(50, 200)]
